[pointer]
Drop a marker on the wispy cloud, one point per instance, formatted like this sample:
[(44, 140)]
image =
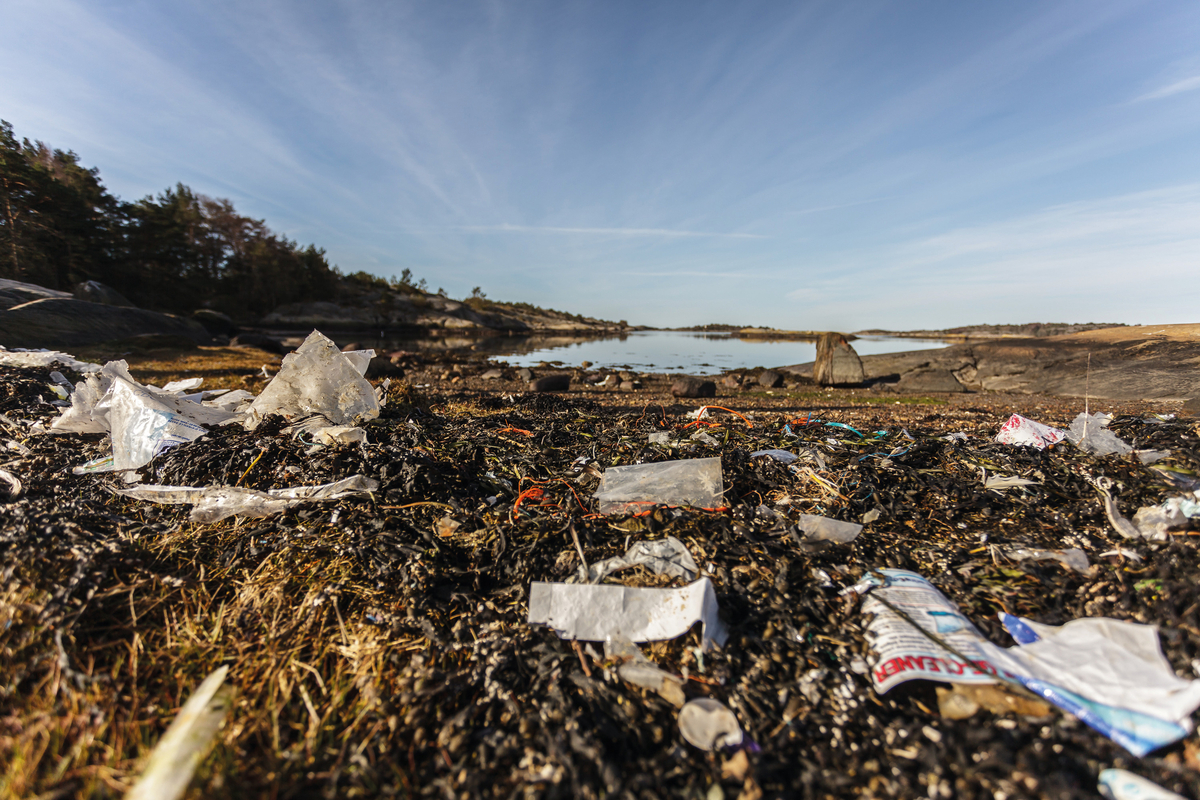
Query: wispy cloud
[(1178, 87), (662, 232)]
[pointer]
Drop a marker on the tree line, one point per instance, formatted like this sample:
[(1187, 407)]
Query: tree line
[(175, 252)]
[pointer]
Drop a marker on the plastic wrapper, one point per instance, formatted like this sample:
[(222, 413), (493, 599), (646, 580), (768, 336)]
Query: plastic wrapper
[(175, 758), (340, 434), (635, 668), (215, 503), (44, 358), (1120, 784), (707, 724), (318, 380), (824, 529), (1074, 558), (1027, 433), (662, 557), (1110, 674), (82, 416), (694, 482), (597, 613), (1091, 435), (143, 423), (1153, 522)]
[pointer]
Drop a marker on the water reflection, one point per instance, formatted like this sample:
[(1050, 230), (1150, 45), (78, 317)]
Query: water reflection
[(643, 351)]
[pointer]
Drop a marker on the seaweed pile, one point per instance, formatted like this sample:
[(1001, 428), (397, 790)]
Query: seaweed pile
[(380, 646)]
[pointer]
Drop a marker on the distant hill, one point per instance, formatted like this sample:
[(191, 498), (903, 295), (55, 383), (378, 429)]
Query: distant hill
[(1029, 329)]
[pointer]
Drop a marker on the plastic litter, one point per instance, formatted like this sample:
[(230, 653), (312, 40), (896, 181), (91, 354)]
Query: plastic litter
[(1153, 522), (824, 529), (1002, 482), (600, 612), (663, 557), (1027, 433), (184, 385), (1110, 674), (1074, 558), (81, 417), (215, 503), (693, 482), (1148, 457), (14, 483), (635, 668), (1090, 434), (44, 358), (318, 379), (175, 758), (707, 724), (144, 423), (1119, 523), (340, 434), (1119, 784)]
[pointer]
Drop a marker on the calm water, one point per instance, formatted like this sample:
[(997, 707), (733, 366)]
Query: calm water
[(689, 353)]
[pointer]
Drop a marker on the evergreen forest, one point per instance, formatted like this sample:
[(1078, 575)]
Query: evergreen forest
[(175, 252)]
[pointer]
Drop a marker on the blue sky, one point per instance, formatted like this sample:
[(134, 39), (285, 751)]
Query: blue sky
[(802, 165)]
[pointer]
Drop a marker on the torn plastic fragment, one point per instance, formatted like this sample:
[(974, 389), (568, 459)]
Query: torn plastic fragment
[(1027, 433), (340, 434), (1153, 522), (1110, 674), (1148, 457), (1119, 523), (317, 379), (44, 358), (598, 612), (824, 529), (1074, 558), (215, 503), (175, 758), (1002, 482), (14, 484), (707, 724), (704, 438), (176, 387), (694, 482), (1119, 784), (635, 668), (663, 557), (1091, 435), (660, 437)]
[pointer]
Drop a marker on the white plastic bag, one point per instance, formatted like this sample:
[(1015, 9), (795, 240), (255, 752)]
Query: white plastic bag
[(215, 503), (694, 482), (1091, 435)]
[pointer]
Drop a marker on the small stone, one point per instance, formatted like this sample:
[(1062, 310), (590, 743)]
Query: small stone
[(630, 386), (731, 381), (611, 381), (492, 375), (627, 376), (551, 383), (525, 374), (584, 364), (689, 386), (770, 379)]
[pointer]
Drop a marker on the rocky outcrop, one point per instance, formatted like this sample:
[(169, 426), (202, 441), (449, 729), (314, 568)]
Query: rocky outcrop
[(97, 292), (14, 293), (837, 364), (1125, 363), (63, 322)]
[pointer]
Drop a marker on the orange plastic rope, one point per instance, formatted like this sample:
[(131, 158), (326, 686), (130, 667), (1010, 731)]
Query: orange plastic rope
[(749, 424)]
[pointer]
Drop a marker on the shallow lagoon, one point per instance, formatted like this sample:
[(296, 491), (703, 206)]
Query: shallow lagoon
[(693, 353)]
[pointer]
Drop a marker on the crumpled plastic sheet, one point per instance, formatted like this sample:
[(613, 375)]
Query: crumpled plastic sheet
[(692, 482), (1025, 432), (319, 379), (1120, 784), (825, 529), (1073, 558), (143, 423), (635, 668), (215, 503), (1091, 435), (44, 358), (1002, 482), (662, 557), (599, 612), (1153, 522), (340, 434), (1110, 674)]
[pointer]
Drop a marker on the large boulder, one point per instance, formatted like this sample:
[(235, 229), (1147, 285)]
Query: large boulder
[(689, 386), (929, 380), (59, 322), (837, 364), (97, 292), (15, 293)]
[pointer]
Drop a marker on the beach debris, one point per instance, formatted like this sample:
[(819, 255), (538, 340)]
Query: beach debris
[(1153, 522), (1091, 435), (215, 503), (1001, 482), (692, 482), (824, 529), (1073, 558), (709, 725), (598, 612), (964, 700), (174, 759), (20, 357), (318, 380), (662, 557), (1108, 673), (633, 667), (1120, 524), (1120, 784), (1027, 433)]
